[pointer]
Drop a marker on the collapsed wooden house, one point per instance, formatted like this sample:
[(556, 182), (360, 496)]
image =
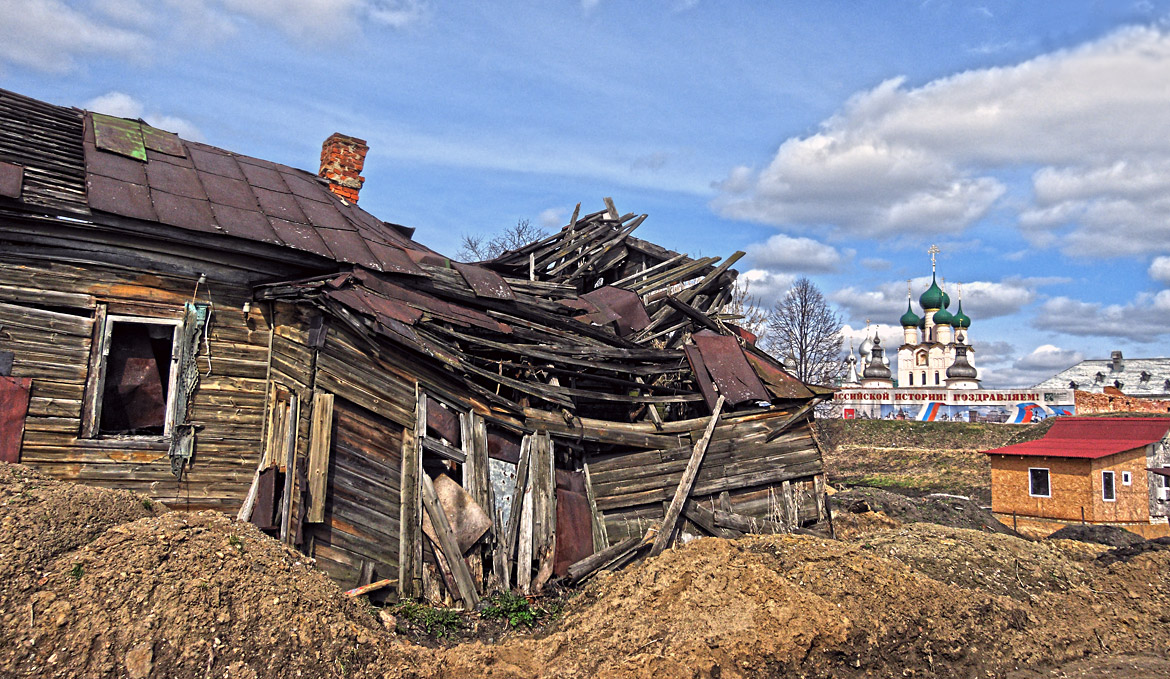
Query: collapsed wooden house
[(228, 333)]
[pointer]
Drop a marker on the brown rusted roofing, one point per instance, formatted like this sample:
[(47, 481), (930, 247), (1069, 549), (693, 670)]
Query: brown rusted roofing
[(623, 306), (728, 368)]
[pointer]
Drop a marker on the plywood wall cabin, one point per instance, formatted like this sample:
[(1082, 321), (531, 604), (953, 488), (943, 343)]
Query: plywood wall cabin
[(1075, 487), (47, 314)]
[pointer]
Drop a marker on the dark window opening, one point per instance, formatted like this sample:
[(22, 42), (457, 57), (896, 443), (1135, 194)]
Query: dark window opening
[(1038, 485), (1108, 491), (936, 377), (911, 379), (137, 381)]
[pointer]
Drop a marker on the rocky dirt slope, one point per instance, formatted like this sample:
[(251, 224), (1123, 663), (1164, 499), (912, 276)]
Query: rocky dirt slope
[(127, 591)]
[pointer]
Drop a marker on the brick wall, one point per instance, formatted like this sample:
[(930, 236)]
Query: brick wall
[(1088, 403), (342, 160)]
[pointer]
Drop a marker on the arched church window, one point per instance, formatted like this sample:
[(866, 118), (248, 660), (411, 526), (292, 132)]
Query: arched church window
[(936, 377), (911, 379)]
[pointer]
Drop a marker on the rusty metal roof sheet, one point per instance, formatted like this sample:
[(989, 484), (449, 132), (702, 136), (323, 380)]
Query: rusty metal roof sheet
[(119, 135), (624, 305), (484, 282), (779, 383), (1092, 437), (729, 368), (11, 177), (162, 142)]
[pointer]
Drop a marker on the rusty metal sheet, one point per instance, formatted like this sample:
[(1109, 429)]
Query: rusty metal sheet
[(468, 521), (390, 307), (394, 259), (228, 191), (120, 198), (211, 160), (434, 306), (300, 236), (114, 166), (306, 185), (484, 282), (135, 396), (118, 135), (11, 177), (174, 179), (503, 446), (262, 176), (443, 422), (264, 511), (279, 205), (245, 224), (574, 528), (729, 368), (162, 141), (626, 305), (323, 215), (184, 212), (747, 335), (14, 395), (702, 377), (779, 383), (349, 247)]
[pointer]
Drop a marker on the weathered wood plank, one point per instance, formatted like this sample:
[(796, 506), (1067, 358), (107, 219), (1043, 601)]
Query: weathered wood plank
[(320, 445), (683, 491)]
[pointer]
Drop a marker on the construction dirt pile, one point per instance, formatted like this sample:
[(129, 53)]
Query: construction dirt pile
[(201, 595)]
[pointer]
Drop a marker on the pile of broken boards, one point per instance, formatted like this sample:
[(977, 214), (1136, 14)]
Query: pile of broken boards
[(568, 406)]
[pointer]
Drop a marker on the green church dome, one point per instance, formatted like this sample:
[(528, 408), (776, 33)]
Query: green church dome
[(933, 297), (943, 317), (909, 319), (961, 320)]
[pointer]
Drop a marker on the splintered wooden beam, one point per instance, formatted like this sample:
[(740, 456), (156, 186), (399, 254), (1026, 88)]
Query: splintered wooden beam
[(448, 544), (662, 540)]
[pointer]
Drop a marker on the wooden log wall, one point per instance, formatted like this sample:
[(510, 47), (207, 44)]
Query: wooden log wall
[(48, 312), (742, 471)]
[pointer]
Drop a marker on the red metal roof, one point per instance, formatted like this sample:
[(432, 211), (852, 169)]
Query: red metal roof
[(1092, 437)]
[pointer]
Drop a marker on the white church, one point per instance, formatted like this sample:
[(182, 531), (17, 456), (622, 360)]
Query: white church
[(937, 377)]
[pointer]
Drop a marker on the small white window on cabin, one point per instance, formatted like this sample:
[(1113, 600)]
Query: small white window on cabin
[(136, 377), (1108, 491), (1038, 482), (1126, 478)]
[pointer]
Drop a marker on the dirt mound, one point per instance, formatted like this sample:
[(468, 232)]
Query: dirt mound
[(1112, 536), (946, 511), (1124, 554)]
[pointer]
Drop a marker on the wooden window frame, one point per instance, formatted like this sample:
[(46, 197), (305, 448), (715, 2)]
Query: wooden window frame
[(96, 381), (1112, 485), (1047, 475)]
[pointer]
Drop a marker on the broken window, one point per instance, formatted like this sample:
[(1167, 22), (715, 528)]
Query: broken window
[(1108, 491), (136, 377), (1038, 482)]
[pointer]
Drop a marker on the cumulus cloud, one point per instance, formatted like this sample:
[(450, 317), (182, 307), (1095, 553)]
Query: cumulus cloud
[(1160, 269), (552, 218), (790, 254), (982, 300), (1049, 359), (917, 159), (1004, 371), (125, 106), (766, 286), (1142, 320)]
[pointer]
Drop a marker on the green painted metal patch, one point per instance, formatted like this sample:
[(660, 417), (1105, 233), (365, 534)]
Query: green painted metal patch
[(118, 135), (163, 142)]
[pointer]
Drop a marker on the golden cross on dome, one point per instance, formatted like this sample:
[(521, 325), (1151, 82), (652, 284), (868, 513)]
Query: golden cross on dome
[(933, 251)]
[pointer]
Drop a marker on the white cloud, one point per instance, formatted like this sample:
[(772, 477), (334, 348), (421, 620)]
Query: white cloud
[(552, 218), (789, 254), (48, 35), (982, 300), (123, 105), (1049, 359), (766, 286), (1160, 269), (917, 159), (1004, 371), (1142, 320)]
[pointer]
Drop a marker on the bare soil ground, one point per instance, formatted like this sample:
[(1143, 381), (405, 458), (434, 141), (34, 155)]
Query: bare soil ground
[(96, 584)]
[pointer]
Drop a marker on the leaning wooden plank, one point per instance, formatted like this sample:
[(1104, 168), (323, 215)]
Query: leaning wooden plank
[(511, 532), (666, 532), (320, 443), (290, 466), (245, 513), (447, 544), (705, 518), (596, 520), (409, 525), (373, 586), (524, 548), (595, 562)]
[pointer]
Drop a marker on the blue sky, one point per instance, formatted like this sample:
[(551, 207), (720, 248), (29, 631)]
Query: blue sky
[(838, 140)]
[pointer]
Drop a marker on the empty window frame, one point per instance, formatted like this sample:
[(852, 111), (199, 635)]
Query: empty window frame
[(135, 377), (1108, 490), (1039, 483)]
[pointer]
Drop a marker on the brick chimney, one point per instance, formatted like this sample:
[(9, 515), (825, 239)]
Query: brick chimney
[(342, 159)]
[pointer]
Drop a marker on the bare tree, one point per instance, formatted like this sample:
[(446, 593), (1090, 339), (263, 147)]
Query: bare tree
[(804, 328), (478, 248)]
